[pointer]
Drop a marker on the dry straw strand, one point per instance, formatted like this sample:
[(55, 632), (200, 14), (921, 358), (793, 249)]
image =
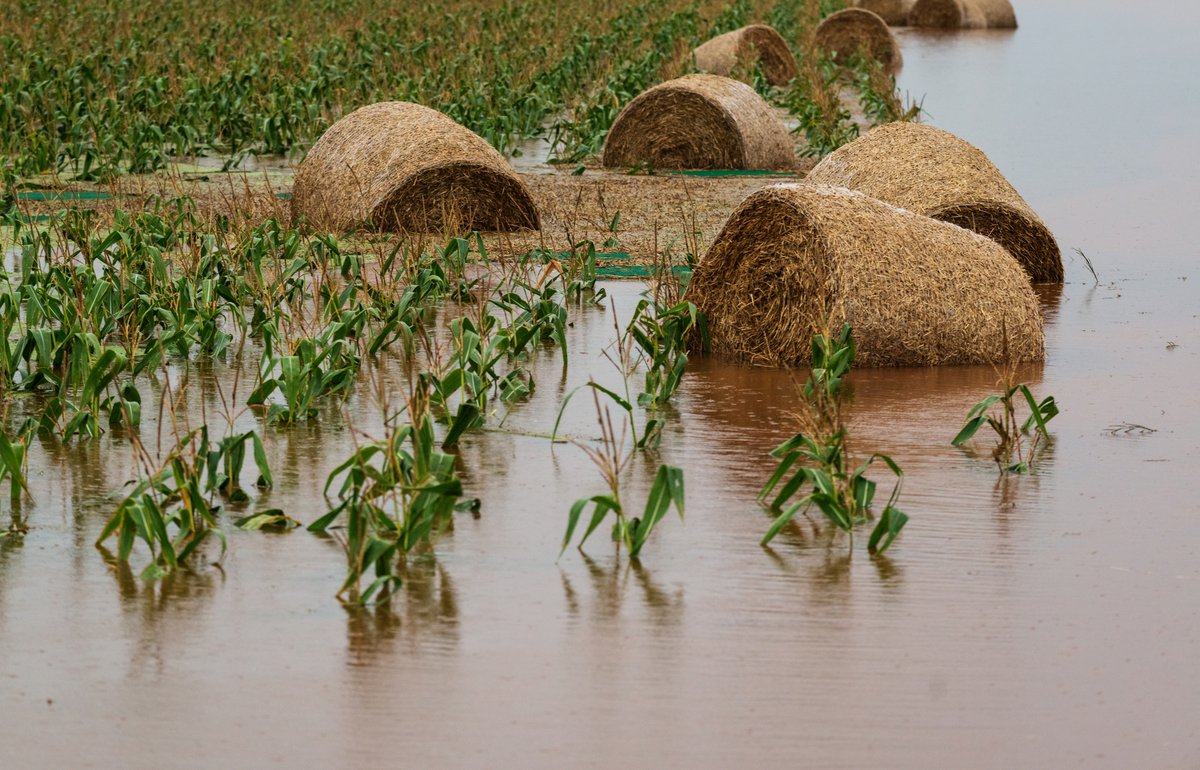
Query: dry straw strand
[(856, 30), (720, 56), (963, 14), (796, 258), (935, 173), (894, 12), (404, 167), (699, 122)]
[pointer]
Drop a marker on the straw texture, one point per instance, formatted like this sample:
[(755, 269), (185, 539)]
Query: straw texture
[(935, 173), (403, 167), (894, 12), (963, 14), (796, 258), (700, 122), (852, 30), (720, 56)]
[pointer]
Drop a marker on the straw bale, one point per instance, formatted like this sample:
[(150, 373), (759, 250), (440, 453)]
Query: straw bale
[(933, 172), (721, 55), (797, 258), (963, 14), (855, 30), (403, 167), (700, 122), (894, 12)]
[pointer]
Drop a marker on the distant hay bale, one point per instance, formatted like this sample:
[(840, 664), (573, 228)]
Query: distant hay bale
[(894, 12), (402, 167), (721, 55), (699, 122), (963, 14), (855, 30), (795, 258), (935, 173)]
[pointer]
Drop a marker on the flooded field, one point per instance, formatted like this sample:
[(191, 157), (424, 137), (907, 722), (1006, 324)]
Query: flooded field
[(1050, 620)]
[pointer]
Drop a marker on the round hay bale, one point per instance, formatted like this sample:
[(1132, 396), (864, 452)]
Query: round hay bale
[(933, 172), (699, 122), (721, 55), (963, 14), (894, 12), (403, 167), (797, 258), (855, 30)]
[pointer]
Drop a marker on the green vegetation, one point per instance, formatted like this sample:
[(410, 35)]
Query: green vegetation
[(171, 508), (96, 89), (397, 494), (1017, 441), (820, 471), (110, 303), (611, 457)]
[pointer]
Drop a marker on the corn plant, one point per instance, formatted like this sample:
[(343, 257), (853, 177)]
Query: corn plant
[(611, 458), (316, 367), (172, 507), (814, 468), (395, 495), (1017, 440), (813, 99), (13, 464)]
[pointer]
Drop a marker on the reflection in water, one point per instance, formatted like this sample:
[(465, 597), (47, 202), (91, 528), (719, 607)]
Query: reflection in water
[(151, 607), (609, 587), (421, 614)]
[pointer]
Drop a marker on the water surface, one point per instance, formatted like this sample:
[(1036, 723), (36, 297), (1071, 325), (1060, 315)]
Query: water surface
[(1045, 621)]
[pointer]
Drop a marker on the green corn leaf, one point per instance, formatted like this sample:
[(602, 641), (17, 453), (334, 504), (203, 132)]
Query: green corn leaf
[(891, 521)]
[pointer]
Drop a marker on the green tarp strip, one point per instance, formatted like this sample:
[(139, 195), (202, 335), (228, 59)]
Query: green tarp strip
[(283, 196), (63, 195), (634, 271)]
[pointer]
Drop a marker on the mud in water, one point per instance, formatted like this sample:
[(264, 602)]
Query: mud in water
[(1045, 621)]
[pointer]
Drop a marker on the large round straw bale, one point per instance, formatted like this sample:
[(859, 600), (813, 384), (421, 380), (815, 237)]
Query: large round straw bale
[(963, 14), (721, 55), (400, 166), (797, 258), (700, 122), (855, 30), (933, 172), (894, 12)]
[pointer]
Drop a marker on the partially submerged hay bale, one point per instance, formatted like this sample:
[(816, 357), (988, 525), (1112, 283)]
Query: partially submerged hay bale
[(894, 12), (400, 166), (699, 122), (721, 55), (855, 30), (963, 14), (796, 257), (935, 173)]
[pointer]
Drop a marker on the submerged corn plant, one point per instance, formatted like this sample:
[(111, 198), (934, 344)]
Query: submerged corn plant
[(172, 507), (611, 458), (814, 466), (1017, 441), (656, 341), (395, 495)]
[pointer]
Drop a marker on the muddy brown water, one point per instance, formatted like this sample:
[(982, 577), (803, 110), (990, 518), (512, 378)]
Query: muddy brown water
[(1047, 621)]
